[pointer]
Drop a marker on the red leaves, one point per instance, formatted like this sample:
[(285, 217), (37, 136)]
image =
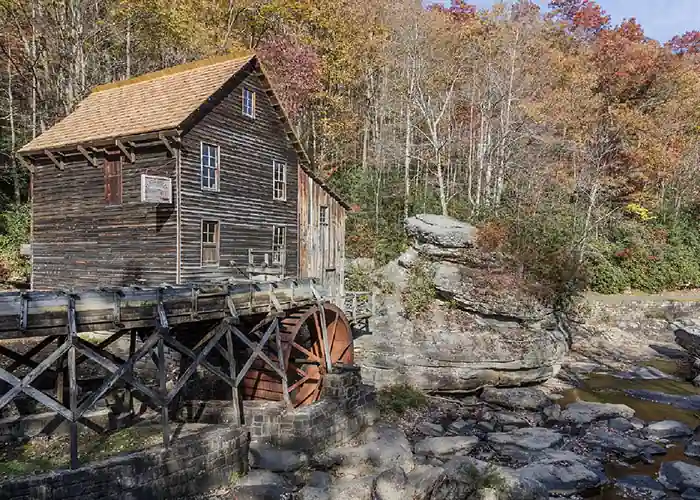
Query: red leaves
[(687, 43), (627, 61), (625, 253), (295, 69), (590, 17), (583, 15)]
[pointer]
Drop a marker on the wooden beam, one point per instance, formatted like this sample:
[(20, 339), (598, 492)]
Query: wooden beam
[(23, 161), (59, 164), (173, 343), (280, 358), (111, 363), (129, 155), (167, 144), (24, 385), (213, 339), (117, 372), (232, 373), (72, 383), (88, 157)]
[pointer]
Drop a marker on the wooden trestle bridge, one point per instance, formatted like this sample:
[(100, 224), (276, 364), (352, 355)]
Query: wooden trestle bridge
[(272, 341)]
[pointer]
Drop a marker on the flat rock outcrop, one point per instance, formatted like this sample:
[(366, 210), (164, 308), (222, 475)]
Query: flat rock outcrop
[(485, 327)]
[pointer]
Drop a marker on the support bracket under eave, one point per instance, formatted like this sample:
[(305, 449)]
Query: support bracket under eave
[(130, 155), (166, 143), (23, 161), (56, 161), (91, 159)]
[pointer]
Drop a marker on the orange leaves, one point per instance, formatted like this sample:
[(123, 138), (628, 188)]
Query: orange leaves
[(590, 16)]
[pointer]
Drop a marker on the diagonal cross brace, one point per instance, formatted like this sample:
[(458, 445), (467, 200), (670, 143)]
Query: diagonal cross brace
[(25, 387), (179, 347), (216, 334), (257, 352), (119, 373)]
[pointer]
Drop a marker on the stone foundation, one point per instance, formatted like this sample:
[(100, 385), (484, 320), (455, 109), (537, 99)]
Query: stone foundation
[(210, 448), (345, 408), (201, 458)]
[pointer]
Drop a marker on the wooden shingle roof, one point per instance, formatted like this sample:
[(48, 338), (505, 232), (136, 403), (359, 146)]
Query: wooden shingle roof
[(149, 103), (158, 102)]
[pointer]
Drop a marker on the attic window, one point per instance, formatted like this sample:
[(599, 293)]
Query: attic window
[(248, 103), (113, 181)]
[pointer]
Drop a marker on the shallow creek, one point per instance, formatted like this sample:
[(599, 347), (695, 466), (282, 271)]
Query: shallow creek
[(653, 399)]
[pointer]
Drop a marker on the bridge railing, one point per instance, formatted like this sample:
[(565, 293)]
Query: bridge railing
[(359, 306)]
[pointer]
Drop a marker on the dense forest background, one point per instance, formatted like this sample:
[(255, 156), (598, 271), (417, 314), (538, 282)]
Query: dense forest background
[(573, 143)]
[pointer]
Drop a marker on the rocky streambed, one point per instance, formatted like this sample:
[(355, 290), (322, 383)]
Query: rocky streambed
[(603, 440)]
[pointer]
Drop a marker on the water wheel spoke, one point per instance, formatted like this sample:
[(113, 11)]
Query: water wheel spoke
[(317, 322), (309, 354), (305, 351), (344, 351), (302, 381), (331, 341)]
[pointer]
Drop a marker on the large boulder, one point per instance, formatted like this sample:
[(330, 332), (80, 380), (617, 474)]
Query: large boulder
[(441, 231), (488, 292), (487, 325), (453, 350)]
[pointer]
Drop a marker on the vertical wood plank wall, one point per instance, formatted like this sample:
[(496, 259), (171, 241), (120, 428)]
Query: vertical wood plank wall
[(321, 257), (79, 242), (243, 205)]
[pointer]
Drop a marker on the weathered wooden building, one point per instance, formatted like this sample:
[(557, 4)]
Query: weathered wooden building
[(185, 175)]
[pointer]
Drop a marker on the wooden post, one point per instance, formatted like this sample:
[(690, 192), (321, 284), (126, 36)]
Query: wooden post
[(232, 373), (72, 383), (280, 358), (164, 393), (162, 329), (132, 351), (324, 330), (61, 368)]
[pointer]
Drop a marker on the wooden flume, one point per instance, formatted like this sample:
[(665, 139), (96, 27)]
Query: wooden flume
[(273, 340)]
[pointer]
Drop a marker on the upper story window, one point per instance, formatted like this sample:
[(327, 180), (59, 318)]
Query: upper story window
[(113, 181), (323, 216), (248, 103), (279, 181), (279, 244), (210, 243), (210, 167)]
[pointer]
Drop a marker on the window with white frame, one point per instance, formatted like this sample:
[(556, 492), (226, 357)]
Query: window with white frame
[(210, 166), (279, 244), (279, 181), (210, 243), (248, 103), (323, 216)]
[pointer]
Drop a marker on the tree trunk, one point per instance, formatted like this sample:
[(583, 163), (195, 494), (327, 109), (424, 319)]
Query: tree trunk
[(13, 134)]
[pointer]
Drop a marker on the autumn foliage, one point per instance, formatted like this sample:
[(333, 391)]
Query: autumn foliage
[(541, 125)]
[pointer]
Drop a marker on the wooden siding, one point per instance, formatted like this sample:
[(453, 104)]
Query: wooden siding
[(243, 204), (321, 249), (79, 241)]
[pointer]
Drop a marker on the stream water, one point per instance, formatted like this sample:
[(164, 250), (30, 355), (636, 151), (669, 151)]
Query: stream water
[(656, 391)]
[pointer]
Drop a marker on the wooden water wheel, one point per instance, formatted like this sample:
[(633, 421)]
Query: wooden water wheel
[(304, 356)]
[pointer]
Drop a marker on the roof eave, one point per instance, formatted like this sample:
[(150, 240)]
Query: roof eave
[(28, 149)]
